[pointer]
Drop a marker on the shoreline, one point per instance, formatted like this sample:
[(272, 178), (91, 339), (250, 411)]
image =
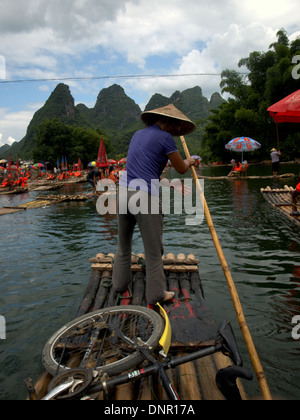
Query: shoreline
[(42, 185), (263, 163)]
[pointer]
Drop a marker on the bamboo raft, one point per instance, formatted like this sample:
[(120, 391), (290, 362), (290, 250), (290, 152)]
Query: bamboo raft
[(43, 201), (192, 324), (15, 191), (244, 177), (281, 200), (41, 186)]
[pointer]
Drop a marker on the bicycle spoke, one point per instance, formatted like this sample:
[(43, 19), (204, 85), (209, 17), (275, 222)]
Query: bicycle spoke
[(104, 339)]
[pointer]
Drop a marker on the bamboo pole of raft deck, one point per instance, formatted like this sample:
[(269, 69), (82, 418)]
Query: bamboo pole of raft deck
[(233, 291)]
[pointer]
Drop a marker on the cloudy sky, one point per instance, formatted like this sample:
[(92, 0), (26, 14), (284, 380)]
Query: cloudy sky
[(90, 41)]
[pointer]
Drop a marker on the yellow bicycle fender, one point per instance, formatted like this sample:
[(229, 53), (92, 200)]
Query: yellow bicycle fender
[(166, 338)]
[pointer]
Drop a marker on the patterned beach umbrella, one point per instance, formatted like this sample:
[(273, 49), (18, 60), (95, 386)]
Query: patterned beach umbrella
[(196, 157), (243, 144)]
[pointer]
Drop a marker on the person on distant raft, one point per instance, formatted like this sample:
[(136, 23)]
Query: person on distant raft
[(295, 197), (93, 176), (149, 151), (237, 167), (275, 156)]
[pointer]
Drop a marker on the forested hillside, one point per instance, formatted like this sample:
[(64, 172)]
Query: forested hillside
[(270, 79), (60, 128)]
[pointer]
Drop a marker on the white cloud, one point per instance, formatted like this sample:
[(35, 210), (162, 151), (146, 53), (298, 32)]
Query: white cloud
[(223, 51), (66, 17), (8, 141), (158, 28), (42, 34), (13, 124), (273, 13)]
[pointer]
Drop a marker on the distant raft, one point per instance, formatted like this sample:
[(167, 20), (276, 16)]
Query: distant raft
[(240, 177), (281, 200), (44, 201)]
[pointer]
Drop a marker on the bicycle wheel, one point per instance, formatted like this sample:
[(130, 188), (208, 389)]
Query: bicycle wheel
[(91, 341)]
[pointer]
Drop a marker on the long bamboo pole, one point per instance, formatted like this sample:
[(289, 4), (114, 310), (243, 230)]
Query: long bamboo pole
[(232, 288)]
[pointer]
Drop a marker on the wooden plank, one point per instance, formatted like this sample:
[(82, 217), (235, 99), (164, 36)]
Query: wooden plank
[(181, 264), (103, 291), (90, 293), (15, 207), (188, 382), (124, 392), (145, 389), (4, 211), (207, 371), (139, 260), (135, 268)]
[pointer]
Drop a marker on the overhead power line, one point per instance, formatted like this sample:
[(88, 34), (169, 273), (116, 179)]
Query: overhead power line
[(141, 76)]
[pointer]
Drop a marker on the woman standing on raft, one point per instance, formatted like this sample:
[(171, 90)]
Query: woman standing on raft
[(149, 151)]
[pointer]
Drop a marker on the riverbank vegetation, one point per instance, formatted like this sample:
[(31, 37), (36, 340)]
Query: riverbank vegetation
[(54, 139), (269, 79)]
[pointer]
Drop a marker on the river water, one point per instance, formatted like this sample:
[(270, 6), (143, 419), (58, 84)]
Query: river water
[(45, 270)]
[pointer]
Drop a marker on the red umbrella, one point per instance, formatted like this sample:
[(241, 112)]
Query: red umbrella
[(287, 110), (112, 161), (102, 156), (124, 160)]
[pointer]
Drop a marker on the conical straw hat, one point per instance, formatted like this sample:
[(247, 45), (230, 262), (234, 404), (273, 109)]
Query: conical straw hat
[(182, 124)]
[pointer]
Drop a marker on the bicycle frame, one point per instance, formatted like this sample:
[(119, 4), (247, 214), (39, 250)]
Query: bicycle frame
[(156, 367), (226, 378)]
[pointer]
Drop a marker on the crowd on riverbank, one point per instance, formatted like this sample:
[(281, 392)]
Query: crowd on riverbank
[(20, 179)]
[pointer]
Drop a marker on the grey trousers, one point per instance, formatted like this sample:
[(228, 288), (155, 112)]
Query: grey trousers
[(151, 229)]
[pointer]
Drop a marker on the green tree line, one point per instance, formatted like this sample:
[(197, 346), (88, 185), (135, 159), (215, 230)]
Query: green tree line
[(54, 139), (269, 80)]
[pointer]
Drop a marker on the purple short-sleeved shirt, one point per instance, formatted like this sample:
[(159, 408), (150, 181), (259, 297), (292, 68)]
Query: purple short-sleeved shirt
[(148, 156)]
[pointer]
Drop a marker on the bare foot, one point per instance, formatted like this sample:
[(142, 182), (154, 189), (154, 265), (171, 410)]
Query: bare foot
[(169, 296)]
